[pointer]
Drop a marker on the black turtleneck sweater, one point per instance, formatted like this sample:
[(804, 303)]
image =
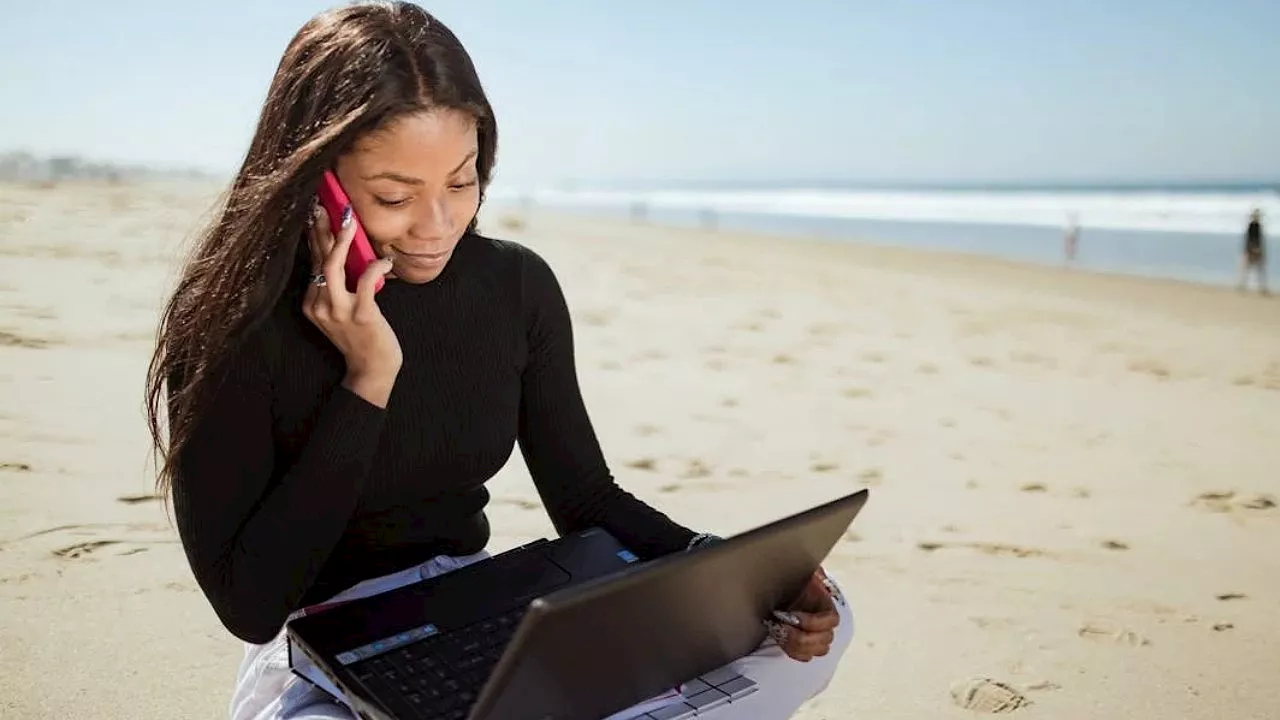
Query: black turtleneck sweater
[(293, 488)]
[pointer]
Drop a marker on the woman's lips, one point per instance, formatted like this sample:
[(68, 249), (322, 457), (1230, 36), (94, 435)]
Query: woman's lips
[(422, 259)]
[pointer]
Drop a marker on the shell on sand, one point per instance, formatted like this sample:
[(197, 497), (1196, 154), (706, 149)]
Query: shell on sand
[(982, 694)]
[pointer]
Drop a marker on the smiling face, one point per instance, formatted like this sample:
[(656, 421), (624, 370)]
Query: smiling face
[(415, 188)]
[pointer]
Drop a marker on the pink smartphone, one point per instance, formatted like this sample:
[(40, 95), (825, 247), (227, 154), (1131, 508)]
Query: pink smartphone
[(335, 199)]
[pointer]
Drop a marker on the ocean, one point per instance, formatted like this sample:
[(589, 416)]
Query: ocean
[(1190, 232)]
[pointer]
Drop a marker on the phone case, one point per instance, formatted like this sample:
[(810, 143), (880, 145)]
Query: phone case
[(335, 199)]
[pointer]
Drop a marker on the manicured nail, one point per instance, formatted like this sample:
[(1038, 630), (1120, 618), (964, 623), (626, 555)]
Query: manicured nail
[(346, 217), (787, 618)]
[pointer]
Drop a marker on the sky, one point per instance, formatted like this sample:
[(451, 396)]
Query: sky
[(708, 91)]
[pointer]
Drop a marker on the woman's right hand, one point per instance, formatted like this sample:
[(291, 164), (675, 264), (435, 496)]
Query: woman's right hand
[(352, 321)]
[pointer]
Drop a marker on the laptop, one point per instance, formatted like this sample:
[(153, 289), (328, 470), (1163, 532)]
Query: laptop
[(571, 629)]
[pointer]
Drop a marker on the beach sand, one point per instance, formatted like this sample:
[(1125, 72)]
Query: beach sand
[(1074, 477)]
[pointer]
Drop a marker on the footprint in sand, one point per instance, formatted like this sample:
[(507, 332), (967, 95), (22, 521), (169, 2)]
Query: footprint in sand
[(135, 499), (871, 476), (1101, 632), (983, 694), (984, 547), (696, 469), (81, 549), (1148, 366), (1224, 501), (598, 318), (11, 340), (121, 538), (521, 503), (646, 464), (1044, 685)]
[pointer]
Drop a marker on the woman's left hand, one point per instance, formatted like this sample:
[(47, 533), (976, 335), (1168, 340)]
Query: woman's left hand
[(806, 629)]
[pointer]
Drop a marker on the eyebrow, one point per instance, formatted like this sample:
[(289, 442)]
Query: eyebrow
[(417, 181)]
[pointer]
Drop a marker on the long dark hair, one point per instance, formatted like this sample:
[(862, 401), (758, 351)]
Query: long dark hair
[(347, 72)]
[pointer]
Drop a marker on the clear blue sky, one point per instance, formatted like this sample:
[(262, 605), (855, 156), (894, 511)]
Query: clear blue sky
[(701, 90)]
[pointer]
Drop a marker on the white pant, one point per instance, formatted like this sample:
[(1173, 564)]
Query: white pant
[(266, 688)]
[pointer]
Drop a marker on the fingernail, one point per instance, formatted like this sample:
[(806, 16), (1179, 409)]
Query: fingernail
[(786, 617), (346, 217)]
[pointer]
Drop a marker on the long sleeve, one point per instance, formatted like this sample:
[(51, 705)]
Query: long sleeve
[(558, 442), (255, 543)]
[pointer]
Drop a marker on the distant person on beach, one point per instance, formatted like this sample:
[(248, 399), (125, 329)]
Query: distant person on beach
[(1254, 255), (316, 438), (1071, 238)]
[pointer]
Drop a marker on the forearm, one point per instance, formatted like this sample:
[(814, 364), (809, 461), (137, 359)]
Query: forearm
[(255, 545)]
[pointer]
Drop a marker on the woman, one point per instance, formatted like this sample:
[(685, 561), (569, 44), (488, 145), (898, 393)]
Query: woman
[(322, 443)]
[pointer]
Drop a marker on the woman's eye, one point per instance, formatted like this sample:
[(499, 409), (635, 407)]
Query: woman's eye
[(462, 186), (385, 202)]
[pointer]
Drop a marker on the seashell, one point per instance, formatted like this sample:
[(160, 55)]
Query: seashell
[(982, 694)]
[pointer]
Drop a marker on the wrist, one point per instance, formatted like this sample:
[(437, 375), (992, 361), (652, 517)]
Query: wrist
[(374, 386)]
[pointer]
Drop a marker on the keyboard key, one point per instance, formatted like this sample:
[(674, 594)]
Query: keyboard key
[(707, 700), (693, 687), (720, 676), (739, 687), (678, 711)]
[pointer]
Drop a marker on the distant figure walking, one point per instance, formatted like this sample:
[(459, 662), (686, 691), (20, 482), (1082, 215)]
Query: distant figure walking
[(1071, 239), (1254, 256)]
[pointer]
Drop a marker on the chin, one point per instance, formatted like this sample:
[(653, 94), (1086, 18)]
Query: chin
[(417, 276)]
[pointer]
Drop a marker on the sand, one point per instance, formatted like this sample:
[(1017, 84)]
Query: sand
[(1074, 477)]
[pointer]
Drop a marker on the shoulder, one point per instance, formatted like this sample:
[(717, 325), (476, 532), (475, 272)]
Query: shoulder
[(506, 253), (517, 266)]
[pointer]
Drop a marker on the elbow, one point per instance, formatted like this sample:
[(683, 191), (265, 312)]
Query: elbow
[(250, 624), (245, 612)]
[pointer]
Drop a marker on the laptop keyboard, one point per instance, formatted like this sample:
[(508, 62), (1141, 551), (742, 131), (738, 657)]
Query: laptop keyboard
[(439, 677)]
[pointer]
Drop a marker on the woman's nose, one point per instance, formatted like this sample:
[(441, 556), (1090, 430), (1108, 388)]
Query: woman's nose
[(432, 222)]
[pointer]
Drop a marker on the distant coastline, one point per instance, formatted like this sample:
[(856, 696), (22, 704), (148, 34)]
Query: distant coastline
[(1170, 186), (20, 166)]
